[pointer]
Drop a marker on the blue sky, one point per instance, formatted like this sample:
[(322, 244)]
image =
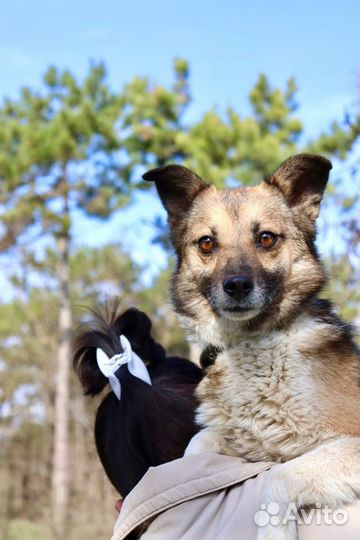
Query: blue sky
[(227, 43)]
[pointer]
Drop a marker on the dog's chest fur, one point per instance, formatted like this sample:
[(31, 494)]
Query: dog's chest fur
[(264, 399)]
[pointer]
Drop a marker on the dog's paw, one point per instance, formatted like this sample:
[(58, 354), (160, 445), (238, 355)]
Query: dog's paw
[(326, 476)]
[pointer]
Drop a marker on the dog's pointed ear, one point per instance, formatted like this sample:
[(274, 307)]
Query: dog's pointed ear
[(177, 187), (302, 180)]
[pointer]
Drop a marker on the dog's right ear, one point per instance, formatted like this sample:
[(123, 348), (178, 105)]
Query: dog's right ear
[(177, 187), (302, 180)]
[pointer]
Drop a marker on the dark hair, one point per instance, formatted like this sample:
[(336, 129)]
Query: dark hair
[(151, 424)]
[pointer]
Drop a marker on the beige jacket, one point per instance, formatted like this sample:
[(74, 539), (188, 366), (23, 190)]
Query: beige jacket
[(213, 497)]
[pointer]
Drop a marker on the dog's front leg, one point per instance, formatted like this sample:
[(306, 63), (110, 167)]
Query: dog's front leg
[(328, 475)]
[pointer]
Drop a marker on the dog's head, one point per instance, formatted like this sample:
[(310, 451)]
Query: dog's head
[(246, 256)]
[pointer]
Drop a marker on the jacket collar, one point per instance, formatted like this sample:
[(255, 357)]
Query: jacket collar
[(181, 480)]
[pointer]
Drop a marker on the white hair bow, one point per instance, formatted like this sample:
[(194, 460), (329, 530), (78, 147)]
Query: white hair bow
[(109, 366)]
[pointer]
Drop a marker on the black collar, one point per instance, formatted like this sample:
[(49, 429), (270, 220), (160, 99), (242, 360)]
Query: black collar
[(208, 356)]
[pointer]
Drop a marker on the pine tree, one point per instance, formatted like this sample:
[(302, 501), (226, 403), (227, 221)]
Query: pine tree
[(58, 156)]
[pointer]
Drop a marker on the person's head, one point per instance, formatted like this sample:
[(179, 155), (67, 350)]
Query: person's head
[(150, 424)]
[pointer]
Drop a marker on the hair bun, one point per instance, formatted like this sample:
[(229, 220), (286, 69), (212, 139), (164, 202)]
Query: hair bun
[(136, 326), (104, 332)]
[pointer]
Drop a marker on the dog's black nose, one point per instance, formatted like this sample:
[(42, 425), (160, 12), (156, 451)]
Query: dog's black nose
[(238, 286)]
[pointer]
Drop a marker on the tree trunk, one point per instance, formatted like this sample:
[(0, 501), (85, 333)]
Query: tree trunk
[(78, 448), (60, 463)]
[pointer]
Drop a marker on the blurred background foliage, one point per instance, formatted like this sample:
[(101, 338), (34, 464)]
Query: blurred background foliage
[(72, 147)]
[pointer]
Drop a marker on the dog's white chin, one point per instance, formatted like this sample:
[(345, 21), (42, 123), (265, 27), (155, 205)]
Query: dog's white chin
[(240, 316)]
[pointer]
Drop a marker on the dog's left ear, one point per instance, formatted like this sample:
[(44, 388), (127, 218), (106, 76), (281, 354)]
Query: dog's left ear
[(177, 187), (302, 180)]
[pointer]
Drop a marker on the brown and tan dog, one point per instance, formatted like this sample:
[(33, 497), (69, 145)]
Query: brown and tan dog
[(286, 384)]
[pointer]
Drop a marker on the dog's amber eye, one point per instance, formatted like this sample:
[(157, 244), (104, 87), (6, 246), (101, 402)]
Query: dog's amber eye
[(267, 239), (206, 244)]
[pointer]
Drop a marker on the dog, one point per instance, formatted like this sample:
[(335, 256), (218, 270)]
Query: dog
[(285, 384)]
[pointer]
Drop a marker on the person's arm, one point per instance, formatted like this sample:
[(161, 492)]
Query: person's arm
[(236, 512)]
